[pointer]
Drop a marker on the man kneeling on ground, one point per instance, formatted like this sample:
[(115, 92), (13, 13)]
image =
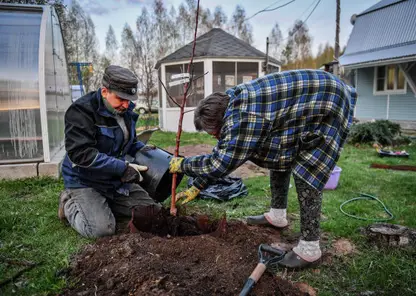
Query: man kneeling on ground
[(100, 130)]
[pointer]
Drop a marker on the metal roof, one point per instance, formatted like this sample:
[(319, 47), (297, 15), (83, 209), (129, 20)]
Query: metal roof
[(380, 5), (217, 43), (385, 31)]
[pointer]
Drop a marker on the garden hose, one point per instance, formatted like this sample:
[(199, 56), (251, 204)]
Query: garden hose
[(364, 196)]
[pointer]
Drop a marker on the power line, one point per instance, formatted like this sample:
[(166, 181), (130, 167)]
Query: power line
[(303, 22), (267, 9), (319, 1), (272, 9), (303, 13)]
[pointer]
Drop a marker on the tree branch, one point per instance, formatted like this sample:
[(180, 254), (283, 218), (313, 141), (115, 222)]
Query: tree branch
[(167, 92), (200, 76), (189, 111)]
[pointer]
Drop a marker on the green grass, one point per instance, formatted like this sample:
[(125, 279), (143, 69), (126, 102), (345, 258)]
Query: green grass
[(30, 230), (166, 139), (148, 120)]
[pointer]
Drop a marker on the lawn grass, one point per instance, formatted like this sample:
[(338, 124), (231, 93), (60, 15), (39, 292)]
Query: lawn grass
[(147, 120), (166, 139), (30, 230)]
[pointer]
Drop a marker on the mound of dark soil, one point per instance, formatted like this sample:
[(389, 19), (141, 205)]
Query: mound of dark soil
[(146, 264)]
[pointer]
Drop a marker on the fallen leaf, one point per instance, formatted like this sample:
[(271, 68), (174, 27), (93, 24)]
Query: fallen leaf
[(305, 288), (343, 247)]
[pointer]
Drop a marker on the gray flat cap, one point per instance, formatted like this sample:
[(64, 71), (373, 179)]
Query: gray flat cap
[(121, 81)]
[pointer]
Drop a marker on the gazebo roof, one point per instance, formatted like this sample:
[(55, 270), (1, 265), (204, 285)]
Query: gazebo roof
[(217, 43)]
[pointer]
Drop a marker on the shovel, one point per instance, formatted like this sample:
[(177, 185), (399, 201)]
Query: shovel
[(268, 258)]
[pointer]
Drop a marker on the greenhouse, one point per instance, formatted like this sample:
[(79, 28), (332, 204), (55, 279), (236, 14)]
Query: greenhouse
[(34, 90)]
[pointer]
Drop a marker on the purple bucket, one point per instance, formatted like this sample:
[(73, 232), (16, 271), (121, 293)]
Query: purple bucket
[(333, 179)]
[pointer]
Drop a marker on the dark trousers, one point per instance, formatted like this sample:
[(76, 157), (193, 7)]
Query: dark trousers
[(92, 214), (310, 201)]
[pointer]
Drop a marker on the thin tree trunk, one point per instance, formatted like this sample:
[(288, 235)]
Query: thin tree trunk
[(173, 209)]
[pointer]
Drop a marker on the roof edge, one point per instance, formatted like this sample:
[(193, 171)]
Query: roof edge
[(159, 63), (16, 6), (367, 11), (380, 48), (381, 62)]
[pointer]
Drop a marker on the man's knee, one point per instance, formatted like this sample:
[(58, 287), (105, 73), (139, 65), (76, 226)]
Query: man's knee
[(94, 231), (103, 230), (89, 214)]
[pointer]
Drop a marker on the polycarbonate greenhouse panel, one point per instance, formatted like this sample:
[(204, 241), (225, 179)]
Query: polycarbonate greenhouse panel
[(20, 125)]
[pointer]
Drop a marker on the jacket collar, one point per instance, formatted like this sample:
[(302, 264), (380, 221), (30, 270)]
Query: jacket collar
[(102, 109)]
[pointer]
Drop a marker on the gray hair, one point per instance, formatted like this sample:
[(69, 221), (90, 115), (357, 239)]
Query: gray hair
[(209, 114)]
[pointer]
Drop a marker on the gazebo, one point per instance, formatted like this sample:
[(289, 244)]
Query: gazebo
[(34, 91), (228, 60)]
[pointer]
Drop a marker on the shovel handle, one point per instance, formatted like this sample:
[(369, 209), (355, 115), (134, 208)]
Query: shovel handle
[(253, 279)]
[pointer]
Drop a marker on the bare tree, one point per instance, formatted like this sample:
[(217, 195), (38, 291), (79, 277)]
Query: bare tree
[(220, 18), (298, 52), (205, 21), (240, 27), (276, 40), (184, 23), (159, 19), (143, 57), (82, 45), (129, 49), (173, 31), (111, 46)]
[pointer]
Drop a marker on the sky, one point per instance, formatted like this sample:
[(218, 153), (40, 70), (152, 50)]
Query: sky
[(321, 23)]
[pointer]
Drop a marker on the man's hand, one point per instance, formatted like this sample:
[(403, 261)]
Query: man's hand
[(175, 165), (190, 194), (132, 173)]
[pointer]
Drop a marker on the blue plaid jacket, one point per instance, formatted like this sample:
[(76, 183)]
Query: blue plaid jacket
[(292, 120)]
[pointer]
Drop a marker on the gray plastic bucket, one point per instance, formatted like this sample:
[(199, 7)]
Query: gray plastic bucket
[(157, 180)]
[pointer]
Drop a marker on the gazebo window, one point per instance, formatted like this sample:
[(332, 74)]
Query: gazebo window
[(247, 72), (229, 74), (176, 91), (223, 75)]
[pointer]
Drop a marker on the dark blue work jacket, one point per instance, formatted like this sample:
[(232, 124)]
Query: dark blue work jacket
[(95, 148)]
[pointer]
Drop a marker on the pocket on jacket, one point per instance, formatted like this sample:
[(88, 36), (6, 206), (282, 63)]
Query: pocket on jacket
[(310, 141), (105, 139)]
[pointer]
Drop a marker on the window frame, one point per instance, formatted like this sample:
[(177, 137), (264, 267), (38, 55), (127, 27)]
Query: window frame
[(387, 91), (235, 62)]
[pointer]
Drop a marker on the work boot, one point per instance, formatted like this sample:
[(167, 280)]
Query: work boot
[(63, 198), (305, 254), (257, 220), (262, 220), (295, 262)]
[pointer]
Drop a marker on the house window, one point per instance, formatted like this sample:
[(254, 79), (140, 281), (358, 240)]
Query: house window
[(389, 79)]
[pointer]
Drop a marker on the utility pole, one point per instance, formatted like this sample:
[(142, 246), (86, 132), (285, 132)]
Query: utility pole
[(336, 50), (266, 64)]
